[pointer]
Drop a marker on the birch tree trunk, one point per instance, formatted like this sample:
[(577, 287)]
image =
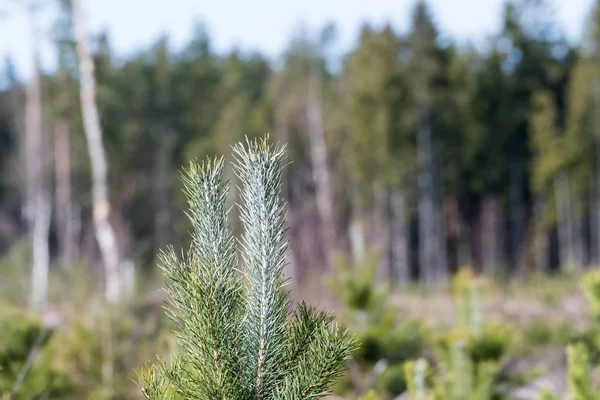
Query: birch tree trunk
[(105, 234), (400, 239), (38, 208), (318, 152)]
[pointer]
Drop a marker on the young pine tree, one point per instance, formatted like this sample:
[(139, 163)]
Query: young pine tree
[(238, 341)]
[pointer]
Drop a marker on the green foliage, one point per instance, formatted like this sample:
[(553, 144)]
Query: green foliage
[(370, 395), (489, 345), (468, 300), (368, 313), (28, 368), (14, 278), (469, 364), (403, 342), (591, 287), (459, 379), (365, 311), (578, 374), (540, 332), (392, 381), (468, 356), (237, 341), (418, 380), (580, 384), (355, 286)]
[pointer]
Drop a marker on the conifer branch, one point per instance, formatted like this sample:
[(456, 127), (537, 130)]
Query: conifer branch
[(237, 343), (262, 213)]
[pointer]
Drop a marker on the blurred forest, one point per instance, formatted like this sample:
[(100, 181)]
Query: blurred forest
[(436, 154), (415, 154)]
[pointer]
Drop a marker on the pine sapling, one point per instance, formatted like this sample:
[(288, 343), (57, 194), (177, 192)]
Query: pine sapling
[(237, 339)]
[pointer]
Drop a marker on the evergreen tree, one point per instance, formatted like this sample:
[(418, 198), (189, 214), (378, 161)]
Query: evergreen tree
[(238, 341)]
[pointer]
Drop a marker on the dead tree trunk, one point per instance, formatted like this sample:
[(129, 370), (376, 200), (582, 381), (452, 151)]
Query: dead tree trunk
[(105, 234), (38, 209), (320, 166)]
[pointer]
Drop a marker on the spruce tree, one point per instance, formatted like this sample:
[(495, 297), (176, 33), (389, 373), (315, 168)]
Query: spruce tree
[(237, 338)]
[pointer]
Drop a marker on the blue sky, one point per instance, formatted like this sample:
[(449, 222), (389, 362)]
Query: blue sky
[(264, 25)]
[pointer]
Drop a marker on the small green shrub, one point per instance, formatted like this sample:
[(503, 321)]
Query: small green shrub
[(370, 395), (538, 333), (392, 381), (28, 367), (403, 342)]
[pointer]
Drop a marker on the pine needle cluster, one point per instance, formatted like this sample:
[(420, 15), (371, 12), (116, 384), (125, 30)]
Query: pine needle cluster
[(238, 339)]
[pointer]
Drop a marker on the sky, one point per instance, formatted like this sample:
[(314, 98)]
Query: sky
[(264, 25)]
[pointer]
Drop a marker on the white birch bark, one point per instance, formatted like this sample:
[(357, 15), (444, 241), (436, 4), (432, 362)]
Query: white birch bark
[(38, 209), (105, 234)]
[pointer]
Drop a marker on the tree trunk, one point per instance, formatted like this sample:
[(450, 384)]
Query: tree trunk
[(564, 222), (282, 133), (517, 215), (541, 242), (491, 236), (578, 244), (383, 234), (105, 234), (429, 262), (400, 239), (320, 166), (595, 203), (162, 191), (38, 208), (64, 207), (439, 206)]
